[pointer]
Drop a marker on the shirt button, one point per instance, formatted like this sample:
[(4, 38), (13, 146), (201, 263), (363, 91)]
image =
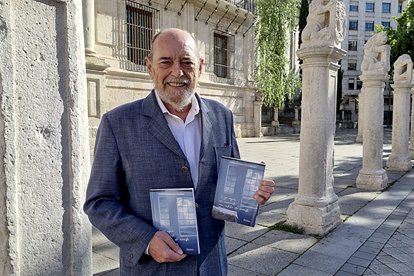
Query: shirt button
[(184, 169)]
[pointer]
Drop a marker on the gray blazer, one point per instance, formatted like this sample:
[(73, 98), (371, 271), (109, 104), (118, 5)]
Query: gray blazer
[(135, 151)]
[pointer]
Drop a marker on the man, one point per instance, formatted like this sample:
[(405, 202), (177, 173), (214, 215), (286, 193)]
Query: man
[(171, 139)]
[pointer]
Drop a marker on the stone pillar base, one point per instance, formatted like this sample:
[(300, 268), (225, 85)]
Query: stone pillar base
[(374, 182), (400, 163), (359, 139), (318, 220)]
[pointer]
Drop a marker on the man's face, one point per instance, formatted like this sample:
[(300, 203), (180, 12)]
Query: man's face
[(175, 68)]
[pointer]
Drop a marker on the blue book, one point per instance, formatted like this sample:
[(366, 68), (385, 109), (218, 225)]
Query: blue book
[(237, 182), (173, 211)]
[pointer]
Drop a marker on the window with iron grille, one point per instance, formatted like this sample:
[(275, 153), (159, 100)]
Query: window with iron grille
[(141, 24), (352, 45), (221, 61)]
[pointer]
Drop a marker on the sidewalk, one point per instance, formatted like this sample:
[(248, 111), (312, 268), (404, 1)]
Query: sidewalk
[(376, 237)]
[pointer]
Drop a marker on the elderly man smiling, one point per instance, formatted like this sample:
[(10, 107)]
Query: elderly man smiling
[(171, 139)]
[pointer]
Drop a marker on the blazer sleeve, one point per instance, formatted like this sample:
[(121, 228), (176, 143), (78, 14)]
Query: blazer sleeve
[(106, 195)]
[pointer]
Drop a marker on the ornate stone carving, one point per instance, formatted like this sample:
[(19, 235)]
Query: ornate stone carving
[(376, 55), (325, 24), (403, 69)]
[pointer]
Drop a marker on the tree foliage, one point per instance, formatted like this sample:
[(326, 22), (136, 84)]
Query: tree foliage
[(276, 19), (401, 39)]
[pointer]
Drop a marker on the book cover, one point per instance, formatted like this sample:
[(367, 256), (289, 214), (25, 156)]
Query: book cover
[(237, 182), (173, 211)]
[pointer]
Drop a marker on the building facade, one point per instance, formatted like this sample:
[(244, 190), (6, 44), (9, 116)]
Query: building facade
[(363, 15), (118, 36)]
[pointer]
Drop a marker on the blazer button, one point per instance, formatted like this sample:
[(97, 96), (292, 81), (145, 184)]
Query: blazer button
[(184, 169)]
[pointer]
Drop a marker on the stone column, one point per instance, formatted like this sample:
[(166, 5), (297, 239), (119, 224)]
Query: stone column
[(257, 114), (89, 26), (44, 160), (375, 67), (316, 206), (360, 116), (399, 159)]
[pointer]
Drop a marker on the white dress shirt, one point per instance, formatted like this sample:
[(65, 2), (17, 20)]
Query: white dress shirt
[(187, 134)]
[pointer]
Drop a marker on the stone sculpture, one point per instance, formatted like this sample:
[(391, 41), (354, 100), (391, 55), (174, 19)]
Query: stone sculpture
[(376, 54), (399, 159), (403, 69), (325, 23)]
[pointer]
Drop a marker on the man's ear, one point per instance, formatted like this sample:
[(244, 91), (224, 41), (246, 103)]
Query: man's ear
[(148, 63), (200, 68)]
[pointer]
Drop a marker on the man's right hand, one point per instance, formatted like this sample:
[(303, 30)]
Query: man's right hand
[(164, 249)]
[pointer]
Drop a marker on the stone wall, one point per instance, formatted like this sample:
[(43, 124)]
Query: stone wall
[(43, 125)]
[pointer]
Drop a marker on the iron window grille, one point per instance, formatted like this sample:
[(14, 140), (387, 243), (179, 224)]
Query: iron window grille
[(223, 55), (141, 23)]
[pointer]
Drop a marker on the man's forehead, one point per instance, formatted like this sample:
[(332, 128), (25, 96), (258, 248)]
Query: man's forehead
[(175, 50)]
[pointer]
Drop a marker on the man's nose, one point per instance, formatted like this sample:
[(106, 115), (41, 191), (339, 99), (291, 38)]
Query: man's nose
[(176, 69)]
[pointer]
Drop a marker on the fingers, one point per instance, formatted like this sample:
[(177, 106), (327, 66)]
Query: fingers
[(163, 248), (266, 189)]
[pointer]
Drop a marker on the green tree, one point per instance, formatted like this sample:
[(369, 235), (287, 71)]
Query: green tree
[(276, 19), (401, 39)]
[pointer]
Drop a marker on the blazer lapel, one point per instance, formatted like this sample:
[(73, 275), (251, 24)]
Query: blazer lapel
[(206, 126), (158, 125)]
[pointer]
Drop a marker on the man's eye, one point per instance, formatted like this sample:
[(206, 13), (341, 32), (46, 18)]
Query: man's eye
[(165, 62), (187, 63)]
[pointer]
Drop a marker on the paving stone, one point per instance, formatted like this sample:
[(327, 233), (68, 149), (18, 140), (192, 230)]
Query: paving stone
[(287, 241), (372, 244), (364, 255), (111, 272), (245, 233), (270, 217), (354, 269), (299, 270), (387, 259), (264, 259), (233, 244), (344, 273), (359, 261), (239, 271), (107, 249), (101, 263), (400, 267), (368, 249), (369, 272), (381, 269), (318, 261)]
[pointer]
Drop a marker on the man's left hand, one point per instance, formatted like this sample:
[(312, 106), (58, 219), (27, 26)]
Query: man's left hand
[(266, 189)]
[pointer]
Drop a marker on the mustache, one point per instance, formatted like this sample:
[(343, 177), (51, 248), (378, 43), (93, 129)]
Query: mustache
[(180, 80)]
